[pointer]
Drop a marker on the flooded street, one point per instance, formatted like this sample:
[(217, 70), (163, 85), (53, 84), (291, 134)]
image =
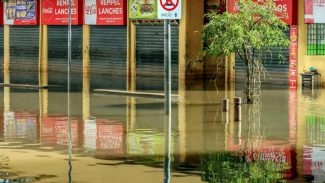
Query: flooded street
[(122, 139)]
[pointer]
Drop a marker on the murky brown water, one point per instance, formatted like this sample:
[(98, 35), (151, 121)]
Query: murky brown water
[(121, 139)]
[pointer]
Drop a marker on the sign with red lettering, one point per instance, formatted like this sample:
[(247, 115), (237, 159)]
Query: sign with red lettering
[(293, 57), (286, 10), (105, 12), (55, 12), (1, 13), (314, 11), (20, 12)]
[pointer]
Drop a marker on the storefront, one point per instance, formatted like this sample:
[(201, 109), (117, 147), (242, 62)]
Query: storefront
[(312, 36), (24, 40), (281, 63)]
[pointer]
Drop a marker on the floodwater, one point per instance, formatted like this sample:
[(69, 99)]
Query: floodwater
[(122, 139)]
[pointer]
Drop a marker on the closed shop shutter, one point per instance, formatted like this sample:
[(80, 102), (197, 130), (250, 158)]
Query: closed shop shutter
[(277, 67), (24, 54), (58, 56), (108, 56), (150, 57)]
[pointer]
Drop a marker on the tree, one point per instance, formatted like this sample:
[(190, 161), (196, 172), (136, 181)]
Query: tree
[(249, 34)]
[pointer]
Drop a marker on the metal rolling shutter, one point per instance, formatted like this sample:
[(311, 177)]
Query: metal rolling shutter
[(278, 69), (24, 54), (58, 56), (108, 56), (150, 57)]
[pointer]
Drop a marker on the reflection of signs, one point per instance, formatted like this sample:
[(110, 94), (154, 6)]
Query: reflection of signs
[(169, 5), (55, 130), (274, 156), (20, 125), (314, 162), (110, 137)]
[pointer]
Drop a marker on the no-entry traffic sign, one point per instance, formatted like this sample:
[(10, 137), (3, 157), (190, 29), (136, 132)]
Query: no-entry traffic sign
[(169, 9)]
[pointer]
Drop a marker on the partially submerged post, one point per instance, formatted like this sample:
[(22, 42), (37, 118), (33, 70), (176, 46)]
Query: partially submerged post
[(225, 110), (237, 109), (225, 105)]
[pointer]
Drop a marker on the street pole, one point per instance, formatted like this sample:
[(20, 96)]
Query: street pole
[(69, 90), (167, 88)]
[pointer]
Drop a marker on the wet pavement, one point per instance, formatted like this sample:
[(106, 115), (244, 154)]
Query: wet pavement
[(122, 139)]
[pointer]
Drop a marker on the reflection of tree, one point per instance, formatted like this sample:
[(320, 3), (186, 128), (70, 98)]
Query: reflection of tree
[(233, 167), (249, 163)]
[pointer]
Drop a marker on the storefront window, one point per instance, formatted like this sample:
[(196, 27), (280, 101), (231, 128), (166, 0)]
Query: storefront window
[(316, 39)]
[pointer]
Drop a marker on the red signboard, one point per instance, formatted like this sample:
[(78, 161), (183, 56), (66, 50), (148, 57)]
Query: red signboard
[(1, 13), (105, 12), (293, 57), (286, 10), (55, 12), (314, 11), (20, 12)]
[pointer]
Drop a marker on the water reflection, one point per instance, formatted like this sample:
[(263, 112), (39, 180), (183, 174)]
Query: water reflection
[(249, 155), (282, 140)]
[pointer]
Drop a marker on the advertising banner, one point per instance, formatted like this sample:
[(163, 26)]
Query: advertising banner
[(143, 9), (286, 10), (293, 57), (314, 11), (1, 13), (20, 12), (55, 12), (105, 12)]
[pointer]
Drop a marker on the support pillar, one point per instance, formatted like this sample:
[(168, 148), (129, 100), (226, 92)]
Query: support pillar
[(43, 62), (86, 72), (131, 56), (6, 53), (190, 47)]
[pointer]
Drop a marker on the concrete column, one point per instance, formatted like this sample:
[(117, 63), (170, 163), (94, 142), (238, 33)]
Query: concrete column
[(6, 51), (86, 72), (190, 31), (6, 67), (131, 113), (6, 99), (182, 126), (43, 62), (44, 57), (131, 56), (43, 102)]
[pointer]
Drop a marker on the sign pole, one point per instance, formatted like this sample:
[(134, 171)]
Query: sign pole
[(167, 88)]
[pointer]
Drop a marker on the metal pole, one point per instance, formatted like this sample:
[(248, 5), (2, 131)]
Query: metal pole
[(69, 89), (167, 68)]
